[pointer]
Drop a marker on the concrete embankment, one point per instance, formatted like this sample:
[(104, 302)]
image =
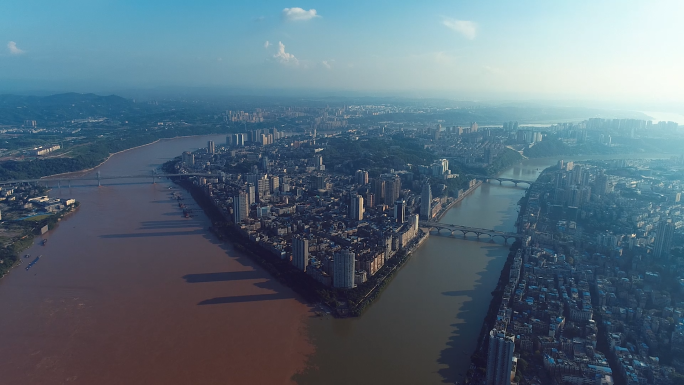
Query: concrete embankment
[(451, 204)]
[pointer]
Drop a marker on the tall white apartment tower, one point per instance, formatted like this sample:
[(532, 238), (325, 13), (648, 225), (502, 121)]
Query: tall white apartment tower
[(300, 253), (343, 269), (663, 240), (240, 207), (500, 357), (426, 202), (356, 208)]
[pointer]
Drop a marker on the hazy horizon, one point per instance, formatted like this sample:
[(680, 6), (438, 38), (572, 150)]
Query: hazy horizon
[(621, 52)]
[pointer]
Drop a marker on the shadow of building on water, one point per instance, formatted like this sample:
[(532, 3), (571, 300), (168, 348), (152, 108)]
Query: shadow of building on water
[(470, 317)]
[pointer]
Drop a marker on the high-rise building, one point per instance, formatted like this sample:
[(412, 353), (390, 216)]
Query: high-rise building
[(230, 140), (440, 167), (601, 184), (663, 240), (500, 357), (275, 184), (361, 177), (240, 207), (379, 191), (426, 202), (188, 158), (318, 160), (489, 155), (300, 253), (319, 182), (343, 269), (240, 140), (577, 173), (392, 189), (263, 187), (400, 211), (370, 200), (356, 208), (251, 194), (210, 147)]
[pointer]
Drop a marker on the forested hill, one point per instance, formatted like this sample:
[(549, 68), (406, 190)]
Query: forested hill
[(15, 109)]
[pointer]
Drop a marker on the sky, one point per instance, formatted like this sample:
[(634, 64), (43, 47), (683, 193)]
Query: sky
[(620, 50)]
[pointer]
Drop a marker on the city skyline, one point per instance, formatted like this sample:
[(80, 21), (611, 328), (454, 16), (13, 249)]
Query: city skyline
[(619, 51)]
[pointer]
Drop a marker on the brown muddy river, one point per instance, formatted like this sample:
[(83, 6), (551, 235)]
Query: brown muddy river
[(129, 292)]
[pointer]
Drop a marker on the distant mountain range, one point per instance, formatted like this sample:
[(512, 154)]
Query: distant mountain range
[(54, 110)]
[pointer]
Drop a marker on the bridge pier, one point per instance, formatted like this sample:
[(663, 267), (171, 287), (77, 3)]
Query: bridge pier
[(500, 182), (516, 184), (98, 180)]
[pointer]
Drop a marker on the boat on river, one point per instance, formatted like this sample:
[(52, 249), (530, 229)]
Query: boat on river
[(30, 265)]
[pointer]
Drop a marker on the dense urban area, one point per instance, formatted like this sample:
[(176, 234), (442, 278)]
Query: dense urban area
[(331, 197)]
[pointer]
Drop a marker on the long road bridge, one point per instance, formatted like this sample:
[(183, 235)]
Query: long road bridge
[(465, 230), (99, 178), (500, 179)]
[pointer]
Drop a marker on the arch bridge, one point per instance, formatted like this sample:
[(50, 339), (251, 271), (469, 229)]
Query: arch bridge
[(441, 228), (99, 178), (500, 179)]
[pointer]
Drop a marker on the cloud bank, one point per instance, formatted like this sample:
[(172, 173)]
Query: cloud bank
[(13, 49), (299, 14), (464, 27), (285, 57)]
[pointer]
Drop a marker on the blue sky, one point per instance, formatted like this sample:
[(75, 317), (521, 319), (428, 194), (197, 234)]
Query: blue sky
[(600, 50)]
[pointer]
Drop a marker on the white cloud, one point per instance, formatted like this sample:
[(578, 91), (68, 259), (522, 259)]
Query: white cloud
[(284, 57), (327, 63), (464, 27), (299, 14), (259, 19), (13, 49), (442, 57), (267, 44), (493, 70)]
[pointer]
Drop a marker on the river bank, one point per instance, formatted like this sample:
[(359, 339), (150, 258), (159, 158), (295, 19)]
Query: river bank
[(460, 198), (282, 270), (11, 257), (80, 173)]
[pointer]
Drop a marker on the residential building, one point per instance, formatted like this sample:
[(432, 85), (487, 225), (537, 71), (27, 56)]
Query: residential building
[(500, 357), (343, 269)]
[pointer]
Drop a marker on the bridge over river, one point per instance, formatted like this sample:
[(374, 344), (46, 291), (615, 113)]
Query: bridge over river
[(441, 228), (500, 179), (153, 176)]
